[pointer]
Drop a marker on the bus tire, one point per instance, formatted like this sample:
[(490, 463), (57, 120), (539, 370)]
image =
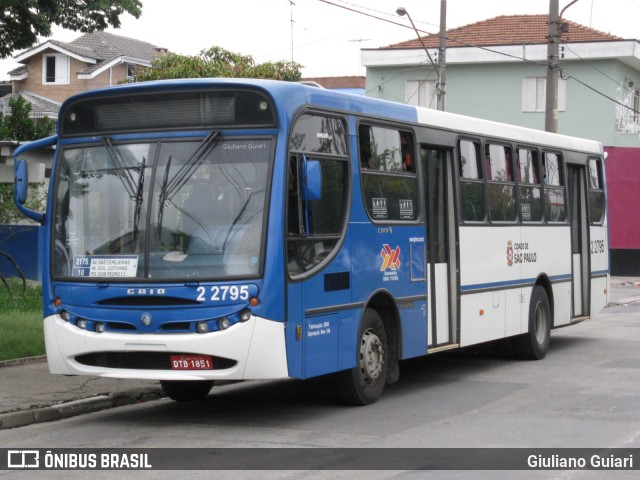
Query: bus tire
[(363, 384), (186, 390), (534, 344)]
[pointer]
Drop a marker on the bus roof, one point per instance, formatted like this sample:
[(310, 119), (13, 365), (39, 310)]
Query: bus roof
[(297, 95)]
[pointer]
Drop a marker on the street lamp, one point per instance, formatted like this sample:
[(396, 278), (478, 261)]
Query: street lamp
[(439, 69)]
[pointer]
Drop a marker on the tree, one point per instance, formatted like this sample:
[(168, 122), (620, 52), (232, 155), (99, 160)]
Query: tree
[(22, 21), (217, 62), (19, 126)]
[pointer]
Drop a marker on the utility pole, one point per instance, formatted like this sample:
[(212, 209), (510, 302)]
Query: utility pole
[(551, 105), (442, 52), (440, 67)]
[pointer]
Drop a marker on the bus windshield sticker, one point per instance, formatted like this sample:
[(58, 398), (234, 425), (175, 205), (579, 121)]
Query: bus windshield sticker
[(406, 209), (112, 266), (379, 207)]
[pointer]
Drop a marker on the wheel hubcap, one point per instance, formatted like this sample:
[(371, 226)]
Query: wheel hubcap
[(541, 323), (371, 356)]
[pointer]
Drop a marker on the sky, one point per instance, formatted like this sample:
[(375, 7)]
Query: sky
[(324, 37)]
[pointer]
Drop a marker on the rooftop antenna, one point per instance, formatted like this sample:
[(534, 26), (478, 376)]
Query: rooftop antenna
[(291, 5), (360, 40)]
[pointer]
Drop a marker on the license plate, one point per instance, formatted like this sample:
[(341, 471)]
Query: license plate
[(191, 362)]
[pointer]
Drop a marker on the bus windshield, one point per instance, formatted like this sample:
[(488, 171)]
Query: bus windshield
[(161, 209)]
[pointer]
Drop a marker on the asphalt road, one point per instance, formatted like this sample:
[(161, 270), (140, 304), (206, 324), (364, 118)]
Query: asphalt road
[(584, 394)]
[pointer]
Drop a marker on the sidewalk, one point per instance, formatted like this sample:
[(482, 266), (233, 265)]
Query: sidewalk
[(30, 394)]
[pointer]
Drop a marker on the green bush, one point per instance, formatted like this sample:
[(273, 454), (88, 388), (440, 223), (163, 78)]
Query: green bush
[(21, 332)]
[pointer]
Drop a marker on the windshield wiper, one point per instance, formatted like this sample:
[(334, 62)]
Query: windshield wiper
[(182, 175), (139, 196), (186, 170), (237, 219), (163, 196), (122, 171)]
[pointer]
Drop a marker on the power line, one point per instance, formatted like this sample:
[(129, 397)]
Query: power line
[(543, 64), (447, 37), (587, 62), (602, 94)]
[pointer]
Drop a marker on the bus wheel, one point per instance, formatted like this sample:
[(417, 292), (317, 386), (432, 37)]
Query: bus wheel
[(534, 344), (363, 384), (186, 390)]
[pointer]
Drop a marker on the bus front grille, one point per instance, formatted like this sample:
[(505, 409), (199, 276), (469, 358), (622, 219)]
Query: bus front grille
[(142, 360)]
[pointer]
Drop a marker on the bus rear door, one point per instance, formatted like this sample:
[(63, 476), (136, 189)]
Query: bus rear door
[(441, 248), (579, 240)]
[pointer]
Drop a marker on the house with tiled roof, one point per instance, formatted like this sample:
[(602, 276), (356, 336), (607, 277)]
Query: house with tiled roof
[(496, 69), (57, 70), (53, 71)]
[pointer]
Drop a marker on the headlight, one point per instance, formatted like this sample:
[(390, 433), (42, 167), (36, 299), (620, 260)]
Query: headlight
[(202, 327)]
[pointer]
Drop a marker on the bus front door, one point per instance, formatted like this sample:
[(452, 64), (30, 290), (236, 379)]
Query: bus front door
[(442, 311), (579, 240)]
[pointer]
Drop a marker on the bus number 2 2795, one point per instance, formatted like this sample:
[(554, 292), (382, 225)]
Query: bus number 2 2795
[(223, 293)]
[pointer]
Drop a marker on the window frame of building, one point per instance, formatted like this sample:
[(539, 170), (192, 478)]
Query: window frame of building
[(58, 65), (534, 91), (420, 93), (131, 72)]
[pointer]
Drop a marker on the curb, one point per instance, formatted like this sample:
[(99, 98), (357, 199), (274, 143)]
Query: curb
[(22, 361), (74, 408)]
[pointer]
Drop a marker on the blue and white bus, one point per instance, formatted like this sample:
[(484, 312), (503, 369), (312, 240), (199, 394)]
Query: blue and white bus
[(208, 230)]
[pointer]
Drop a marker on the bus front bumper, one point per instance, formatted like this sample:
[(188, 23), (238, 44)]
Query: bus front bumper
[(252, 350)]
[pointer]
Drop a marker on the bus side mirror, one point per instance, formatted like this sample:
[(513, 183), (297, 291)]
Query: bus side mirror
[(21, 184), (21, 188), (312, 180)]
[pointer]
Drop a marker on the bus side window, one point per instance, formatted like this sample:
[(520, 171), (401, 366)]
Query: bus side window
[(389, 183), (364, 136), (554, 191), (406, 149), (529, 189), (471, 181), (315, 225), (596, 191), (501, 185)]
